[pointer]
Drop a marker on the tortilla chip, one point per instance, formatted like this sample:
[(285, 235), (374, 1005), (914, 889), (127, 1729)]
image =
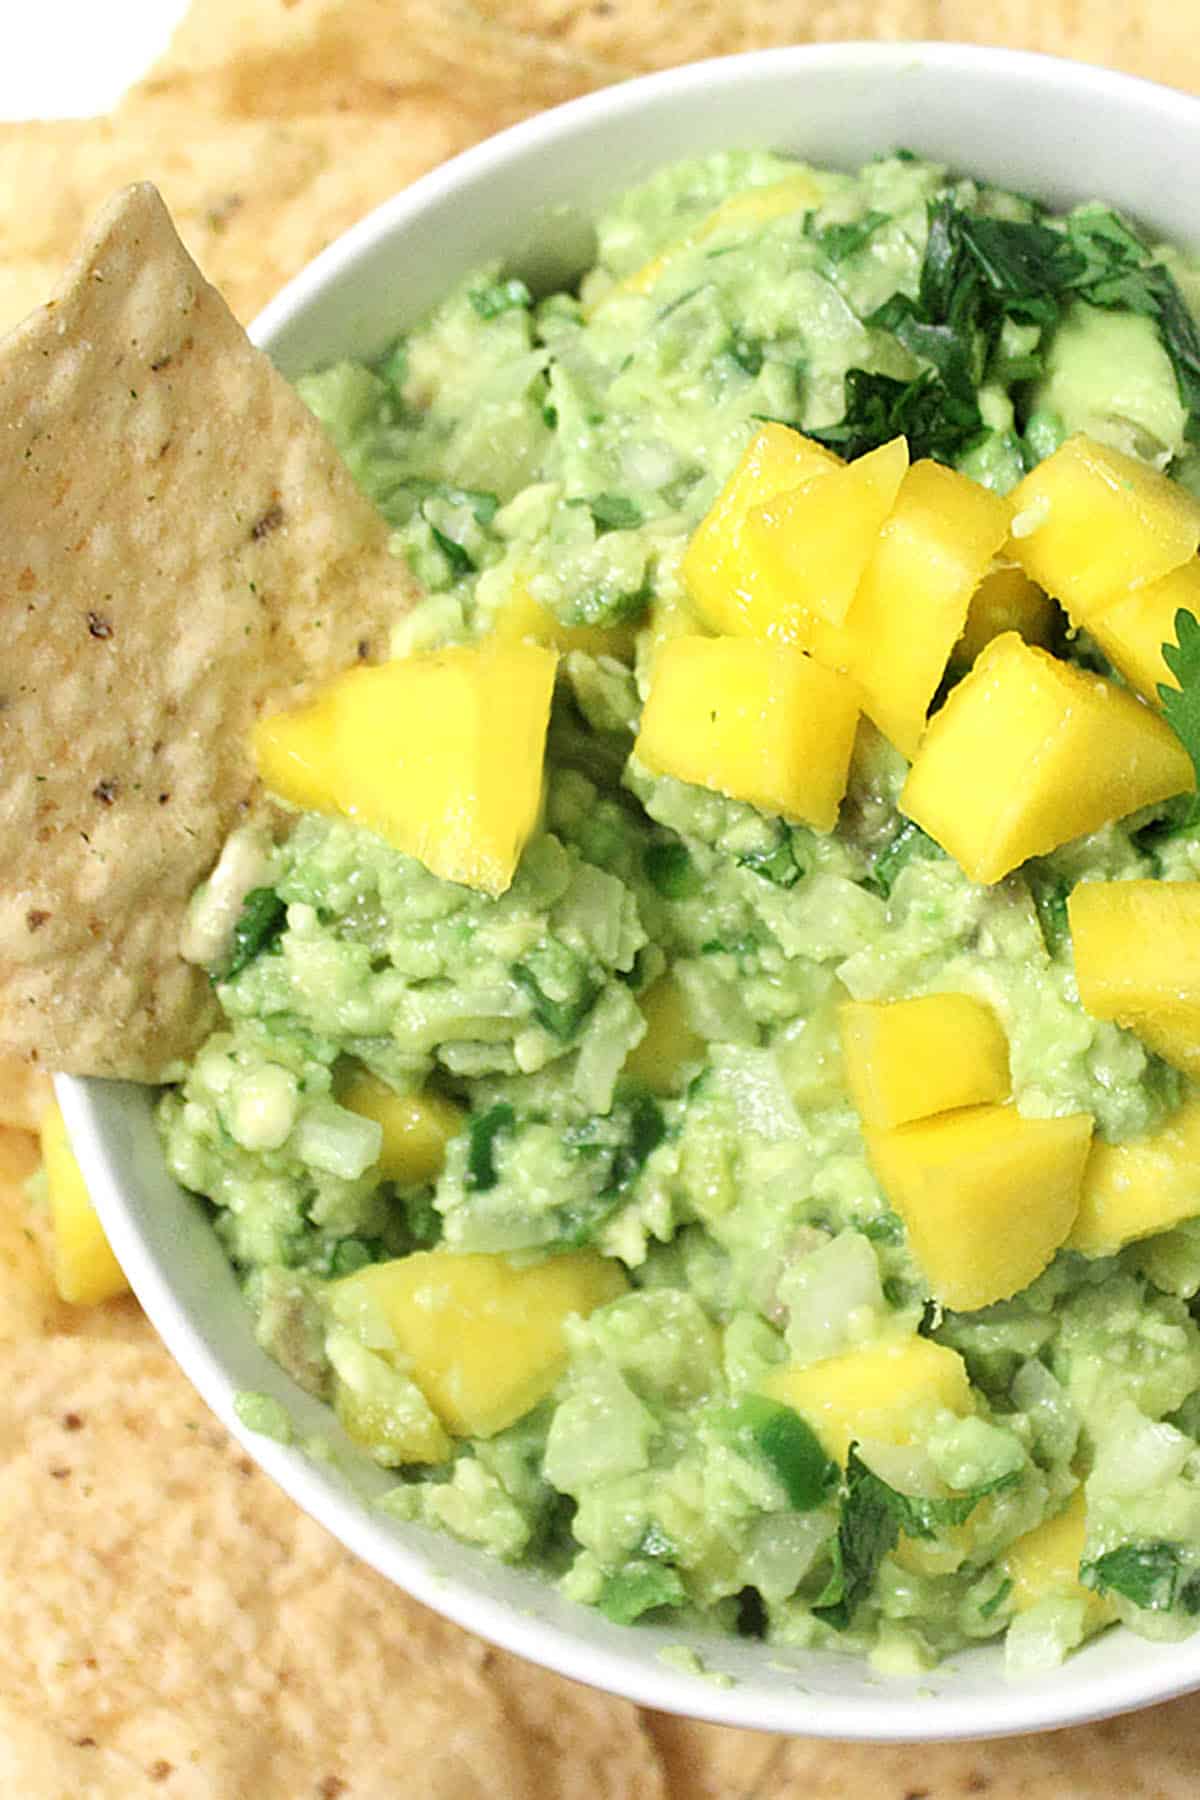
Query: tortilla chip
[(164, 1600), (41, 1763), (1144, 1756), (182, 549), (253, 58), (254, 200), (25, 1094), (716, 1762), (1157, 42)]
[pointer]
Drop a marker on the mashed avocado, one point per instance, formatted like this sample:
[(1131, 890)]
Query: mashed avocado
[(556, 453)]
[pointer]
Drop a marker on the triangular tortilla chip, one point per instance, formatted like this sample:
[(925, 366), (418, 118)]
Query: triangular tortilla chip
[(180, 548)]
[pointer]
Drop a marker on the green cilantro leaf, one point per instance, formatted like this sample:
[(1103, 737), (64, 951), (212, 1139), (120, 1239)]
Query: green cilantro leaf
[(873, 1514), (496, 297), (979, 272), (1148, 1574), (669, 867), (615, 512), (461, 561), (485, 1128), (1181, 705), (259, 925)]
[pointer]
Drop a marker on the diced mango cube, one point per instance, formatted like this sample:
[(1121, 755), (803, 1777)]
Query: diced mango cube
[(912, 602), (439, 753), (670, 1046), (906, 1059), (758, 721), (889, 1392), (524, 618), (1132, 632), (483, 1338), (1172, 1032), (387, 1413), (85, 1269), (730, 590), (1135, 1189), (1044, 1563), (987, 1196), (1005, 600), (1090, 524), (810, 545), (416, 1127), (1029, 752), (1136, 944)]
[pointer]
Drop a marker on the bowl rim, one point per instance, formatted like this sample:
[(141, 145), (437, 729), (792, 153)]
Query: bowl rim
[(900, 1710)]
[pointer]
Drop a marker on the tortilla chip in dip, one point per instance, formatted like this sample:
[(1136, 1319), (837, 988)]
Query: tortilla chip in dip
[(182, 548)]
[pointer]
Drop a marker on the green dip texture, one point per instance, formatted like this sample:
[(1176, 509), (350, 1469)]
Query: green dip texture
[(569, 444)]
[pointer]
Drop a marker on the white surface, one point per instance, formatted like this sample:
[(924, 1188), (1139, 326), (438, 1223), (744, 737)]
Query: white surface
[(69, 59), (1058, 129)]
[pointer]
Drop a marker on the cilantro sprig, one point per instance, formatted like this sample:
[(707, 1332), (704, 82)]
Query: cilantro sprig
[(1181, 705), (979, 273)]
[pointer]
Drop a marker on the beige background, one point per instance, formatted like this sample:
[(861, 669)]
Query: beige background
[(171, 1626)]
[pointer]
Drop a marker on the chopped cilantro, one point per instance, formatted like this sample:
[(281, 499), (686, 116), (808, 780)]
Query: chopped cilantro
[(993, 1603), (485, 1128), (614, 512), (497, 297), (670, 869), (873, 1514), (1148, 1574), (259, 925), (461, 562), (979, 272), (837, 242), (910, 844), (747, 352), (777, 864), (561, 1017), (1050, 899)]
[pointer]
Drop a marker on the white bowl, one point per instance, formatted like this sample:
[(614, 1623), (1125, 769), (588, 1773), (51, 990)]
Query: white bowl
[(1063, 131)]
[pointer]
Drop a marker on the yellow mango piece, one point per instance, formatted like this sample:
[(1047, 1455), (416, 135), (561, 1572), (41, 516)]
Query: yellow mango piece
[(906, 1059), (756, 206), (439, 753), (1173, 1032), (986, 1196), (810, 545), (1132, 632), (483, 1338), (1005, 600), (670, 1046), (393, 1434), (889, 1392), (1044, 1563), (1136, 1189), (728, 588), (1090, 524), (1136, 945), (912, 602), (416, 1127), (1029, 752), (85, 1269), (522, 618), (758, 721)]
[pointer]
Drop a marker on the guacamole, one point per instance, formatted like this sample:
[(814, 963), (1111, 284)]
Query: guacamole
[(630, 1061)]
